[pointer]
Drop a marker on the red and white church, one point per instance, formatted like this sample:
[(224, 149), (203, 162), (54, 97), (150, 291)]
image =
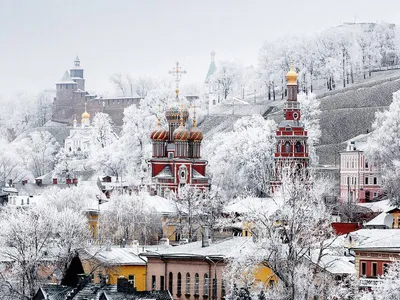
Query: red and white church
[(176, 161), (291, 137)]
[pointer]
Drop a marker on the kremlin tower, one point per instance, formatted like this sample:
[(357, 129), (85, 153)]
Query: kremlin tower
[(176, 160), (291, 138)]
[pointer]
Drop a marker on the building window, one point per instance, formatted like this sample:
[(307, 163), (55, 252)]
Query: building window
[(153, 282), (363, 268), (162, 287), (298, 147), (179, 285), (287, 147), (206, 285), (385, 268), (223, 291), (187, 284), (170, 283), (375, 194), (196, 284), (374, 269), (375, 180), (131, 279), (366, 165), (366, 180)]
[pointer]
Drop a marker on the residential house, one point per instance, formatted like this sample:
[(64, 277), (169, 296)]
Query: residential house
[(112, 262), (195, 269)]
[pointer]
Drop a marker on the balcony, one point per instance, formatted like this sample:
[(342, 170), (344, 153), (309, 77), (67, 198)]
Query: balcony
[(291, 154)]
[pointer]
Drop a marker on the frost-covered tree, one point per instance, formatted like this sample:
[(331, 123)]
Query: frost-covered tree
[(383, 147), (135, 139), (129, 217), (41, 149), (11, 164), (310, 113), (227, 77), (102, 131), (242, 159), (285, 240)]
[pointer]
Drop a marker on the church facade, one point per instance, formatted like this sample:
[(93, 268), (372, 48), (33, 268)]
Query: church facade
[(176, 159)]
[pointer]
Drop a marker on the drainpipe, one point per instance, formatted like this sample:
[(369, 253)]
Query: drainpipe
[(165, 272)]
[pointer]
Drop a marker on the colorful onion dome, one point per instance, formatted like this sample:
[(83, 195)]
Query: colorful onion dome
[(195, 134), (159, 134), (291, 76), (181, 134)]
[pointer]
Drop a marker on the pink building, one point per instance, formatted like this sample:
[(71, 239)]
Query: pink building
[(359, 178), (194, 271)]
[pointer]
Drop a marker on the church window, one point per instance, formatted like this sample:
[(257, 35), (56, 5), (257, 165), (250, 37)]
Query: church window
[(366, 165), (375, 180), (179, 285), (196, 283), (287, 147), (188, 283), (298, 147), (366, 180), (206, 283)]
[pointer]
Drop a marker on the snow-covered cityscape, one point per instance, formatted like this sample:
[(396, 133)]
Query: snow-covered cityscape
[(178, 150)]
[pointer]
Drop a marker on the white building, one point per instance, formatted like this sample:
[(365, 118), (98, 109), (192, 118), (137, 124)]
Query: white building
[(78, 141)]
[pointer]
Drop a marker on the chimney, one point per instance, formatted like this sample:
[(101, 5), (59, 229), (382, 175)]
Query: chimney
[(205, 242), (38, 182), (163, 241), (75, 181), (54, 180)]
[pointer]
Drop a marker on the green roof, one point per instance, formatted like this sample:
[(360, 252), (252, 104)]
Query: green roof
[(211, 70)]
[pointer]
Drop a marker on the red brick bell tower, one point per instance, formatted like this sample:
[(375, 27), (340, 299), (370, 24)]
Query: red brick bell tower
[(291, 138)]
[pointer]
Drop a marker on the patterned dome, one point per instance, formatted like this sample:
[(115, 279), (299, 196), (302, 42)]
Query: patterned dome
[(160, 134), (181, 134), (195, 134)]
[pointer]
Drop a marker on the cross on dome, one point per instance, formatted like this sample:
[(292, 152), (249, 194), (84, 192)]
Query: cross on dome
[(177, 72)]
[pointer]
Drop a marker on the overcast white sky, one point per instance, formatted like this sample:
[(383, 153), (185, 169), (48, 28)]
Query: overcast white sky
[(40, 38)]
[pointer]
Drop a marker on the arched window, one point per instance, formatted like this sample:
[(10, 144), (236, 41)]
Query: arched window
[(170, 282), (179, 285), (196, 283), (287, 147), (206, 283), (187, 283), (298, 147)]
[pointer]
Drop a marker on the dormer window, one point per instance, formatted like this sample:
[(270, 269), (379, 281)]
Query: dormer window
[(288, 128)]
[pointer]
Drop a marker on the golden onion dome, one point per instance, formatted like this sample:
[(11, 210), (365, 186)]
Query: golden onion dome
[(85, 115), (291, 76), (181, 134)]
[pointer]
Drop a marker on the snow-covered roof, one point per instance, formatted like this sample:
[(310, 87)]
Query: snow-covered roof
[(227, 248), (378, 206), (383, 219), (66, 79), (375, 238), (252, 204), (166, 172), (116, 256), (335, 264)]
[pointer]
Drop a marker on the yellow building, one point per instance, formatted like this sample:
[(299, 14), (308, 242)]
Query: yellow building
[(112, 262)]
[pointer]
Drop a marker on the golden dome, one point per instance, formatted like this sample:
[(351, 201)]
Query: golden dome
[(85, 115), (291, 76)]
